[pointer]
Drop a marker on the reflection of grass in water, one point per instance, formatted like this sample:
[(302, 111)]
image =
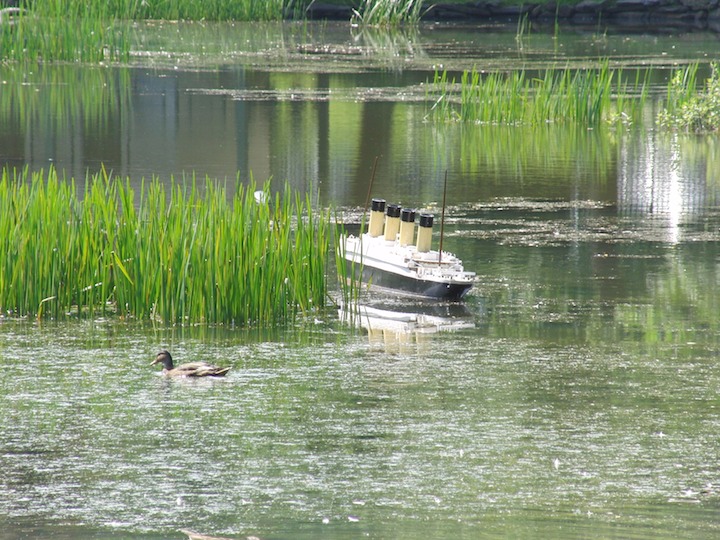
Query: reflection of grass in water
[(583, 97), (177, 256), (48, 98), (678, 290), (519, 157), (503, 151)]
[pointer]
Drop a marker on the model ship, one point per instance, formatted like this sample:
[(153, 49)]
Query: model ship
[(391, 255)]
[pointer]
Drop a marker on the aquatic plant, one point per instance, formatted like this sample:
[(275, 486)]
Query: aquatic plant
[(389, 13), (64, 30), (209, 10), (686, 107), (630, 98), (523, 28), (581, 96), (181, 255)]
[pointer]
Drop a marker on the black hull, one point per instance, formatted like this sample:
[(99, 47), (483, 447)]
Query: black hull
[(408, 285)]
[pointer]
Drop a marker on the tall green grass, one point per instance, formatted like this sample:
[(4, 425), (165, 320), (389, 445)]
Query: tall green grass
[(388, 13), (210, 10), (96, 31), (585, 97), (690, 106), (62, 30), (179, 255)]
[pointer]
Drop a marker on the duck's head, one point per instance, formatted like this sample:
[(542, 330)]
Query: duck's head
[(164, 358)]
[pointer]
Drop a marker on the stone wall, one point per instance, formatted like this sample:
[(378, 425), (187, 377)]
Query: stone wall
[(650, 14)]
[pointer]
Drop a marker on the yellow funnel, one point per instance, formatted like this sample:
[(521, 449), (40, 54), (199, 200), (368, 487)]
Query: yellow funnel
[(377, 215), (392, 223), (424, 236)]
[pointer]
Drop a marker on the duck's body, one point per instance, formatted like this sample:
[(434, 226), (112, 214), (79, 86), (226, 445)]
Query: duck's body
[(191, 369)]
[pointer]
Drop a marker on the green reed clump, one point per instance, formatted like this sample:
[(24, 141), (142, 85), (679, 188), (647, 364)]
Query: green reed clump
[(555, 96), (388, 13), (61, 30), (209, 10), (94, 31), (688, 108), (181, 255), (214, 10), (630, 98)]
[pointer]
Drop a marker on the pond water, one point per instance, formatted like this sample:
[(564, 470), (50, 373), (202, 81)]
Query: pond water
[(574, 394)]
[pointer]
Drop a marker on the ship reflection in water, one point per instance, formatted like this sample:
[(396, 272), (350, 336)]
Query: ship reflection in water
[(403, 328)]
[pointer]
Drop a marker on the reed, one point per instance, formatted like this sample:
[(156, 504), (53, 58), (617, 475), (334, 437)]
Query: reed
[(554, 96), (94, 31), (630, 98), (176, 255), (523, 28), (209, 10), (688, 107), (388, 13), (60, 30)]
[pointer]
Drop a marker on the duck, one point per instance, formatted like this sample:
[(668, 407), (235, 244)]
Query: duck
[(191, 369)]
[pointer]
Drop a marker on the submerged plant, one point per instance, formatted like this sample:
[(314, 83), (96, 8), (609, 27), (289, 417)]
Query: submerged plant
[(686, 107), (182, 255)]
